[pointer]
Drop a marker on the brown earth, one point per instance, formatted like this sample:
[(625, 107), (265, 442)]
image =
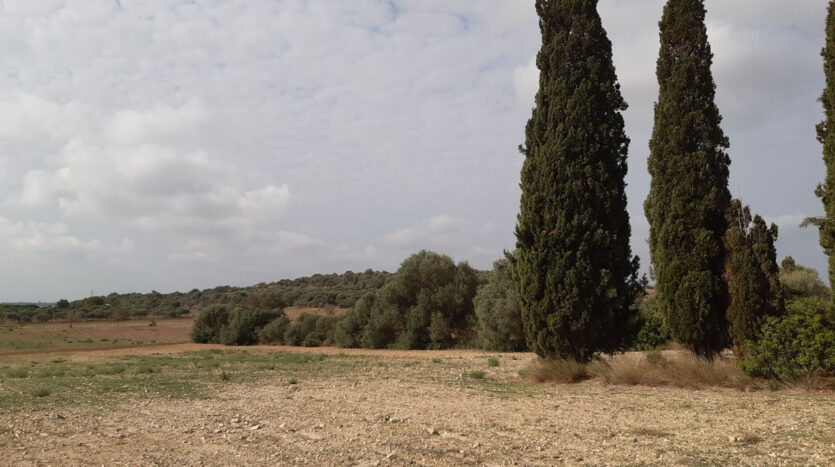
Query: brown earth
[(420, 408)]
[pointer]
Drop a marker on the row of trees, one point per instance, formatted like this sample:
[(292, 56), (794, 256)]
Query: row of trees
[(714, 263)]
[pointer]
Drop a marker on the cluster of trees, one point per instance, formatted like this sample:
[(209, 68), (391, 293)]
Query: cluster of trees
[(718, 283), (319, 290)]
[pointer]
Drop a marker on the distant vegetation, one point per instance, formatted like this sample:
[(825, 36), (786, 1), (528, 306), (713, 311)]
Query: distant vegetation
[(319, 290)]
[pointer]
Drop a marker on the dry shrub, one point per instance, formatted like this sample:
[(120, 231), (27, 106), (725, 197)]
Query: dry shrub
[(671, 368), (557, 371)]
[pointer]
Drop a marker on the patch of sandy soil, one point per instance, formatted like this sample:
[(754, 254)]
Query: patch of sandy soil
[(415, 410)]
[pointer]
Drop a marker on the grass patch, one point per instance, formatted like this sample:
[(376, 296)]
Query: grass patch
[(436, 360), (675, 369), (492, 362), (557, 371), (16, 373), (292, 381), (40, 392), (477, 374)]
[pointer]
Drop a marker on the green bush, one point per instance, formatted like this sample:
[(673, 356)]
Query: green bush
[(800, 281), (273, 333), (298, 331), (427, 304), (802, 343), (498, 313), (207, 325), (244, 326), (349, 330), (650, 329)]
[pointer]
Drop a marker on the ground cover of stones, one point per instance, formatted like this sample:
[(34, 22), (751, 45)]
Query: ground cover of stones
[(189, 404)]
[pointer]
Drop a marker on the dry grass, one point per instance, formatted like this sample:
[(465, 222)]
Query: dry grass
[(557, 371), (671, 368)]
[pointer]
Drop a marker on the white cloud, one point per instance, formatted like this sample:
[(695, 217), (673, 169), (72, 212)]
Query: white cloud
[(249, 140), (787, 222), (526, 82), (434, 231)]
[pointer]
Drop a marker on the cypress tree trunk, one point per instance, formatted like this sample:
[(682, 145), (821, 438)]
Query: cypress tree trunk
[(752, 275), (689, 194), (826, 135), (574, 267)]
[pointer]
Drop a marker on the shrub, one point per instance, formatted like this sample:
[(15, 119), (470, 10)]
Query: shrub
[(800, 281), (498, 313), (428, 304), (652, 330), (244, 326), (798, 345), (207, 325), (273, 333), (298, 331), (558, 370), (349, 330), (477, 374)]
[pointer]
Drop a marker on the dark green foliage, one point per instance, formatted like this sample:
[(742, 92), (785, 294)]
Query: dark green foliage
[(573, 267), (303, 326), (498, 313), (349, 331), (312, 331), (208, 323), (245, 324), (273, 333), (826, 136), (649, 327), (799, 281), (799, 344), (751, 273), (63, 303), (427, 304), (689, 195)]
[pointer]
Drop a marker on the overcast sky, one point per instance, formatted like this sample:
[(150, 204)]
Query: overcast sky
[(168, 145)]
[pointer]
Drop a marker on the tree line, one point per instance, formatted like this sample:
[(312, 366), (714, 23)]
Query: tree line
[(714, 264)]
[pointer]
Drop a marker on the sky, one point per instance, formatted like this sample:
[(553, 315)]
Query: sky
[(170, 144)]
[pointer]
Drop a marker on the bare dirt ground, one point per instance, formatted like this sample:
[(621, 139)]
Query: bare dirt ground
[(360, 407), (90, 335)]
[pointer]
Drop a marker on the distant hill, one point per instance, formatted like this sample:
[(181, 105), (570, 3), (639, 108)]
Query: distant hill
[(316, 291)]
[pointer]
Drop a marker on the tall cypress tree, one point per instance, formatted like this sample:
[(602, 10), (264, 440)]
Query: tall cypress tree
[(574, 267), (751, 273), (826, 135), (689, 194)]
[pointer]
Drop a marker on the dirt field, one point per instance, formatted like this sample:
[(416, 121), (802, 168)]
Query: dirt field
[(209, 405), (87, 335), (96, 335)]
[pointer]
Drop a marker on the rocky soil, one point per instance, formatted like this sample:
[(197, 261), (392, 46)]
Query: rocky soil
[(421, 408)]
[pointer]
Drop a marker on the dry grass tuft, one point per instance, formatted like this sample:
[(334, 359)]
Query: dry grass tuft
[(642, 431), (671, 368), (747, 438), (557, 371)]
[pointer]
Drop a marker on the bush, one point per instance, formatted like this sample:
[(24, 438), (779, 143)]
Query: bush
[(428, 304), (652, 331), (297, 332), (498, 313), (349, 330), (244, 326), (207, 325), (800, 281), (558, 370), (273, 333), (798, 345)]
